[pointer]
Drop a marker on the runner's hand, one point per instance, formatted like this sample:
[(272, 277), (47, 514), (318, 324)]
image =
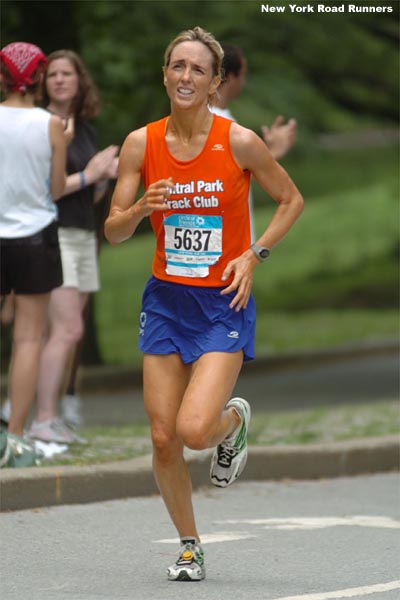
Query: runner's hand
[(156, 197), (242, 269)]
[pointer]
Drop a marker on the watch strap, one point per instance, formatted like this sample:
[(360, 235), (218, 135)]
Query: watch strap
[(261, 252)]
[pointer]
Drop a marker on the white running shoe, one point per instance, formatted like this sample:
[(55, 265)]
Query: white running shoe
[(54, 430), (71, 407), (190, 564), (230, 456)]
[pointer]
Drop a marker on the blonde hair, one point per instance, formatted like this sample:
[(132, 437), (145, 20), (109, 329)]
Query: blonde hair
[(197, 34)]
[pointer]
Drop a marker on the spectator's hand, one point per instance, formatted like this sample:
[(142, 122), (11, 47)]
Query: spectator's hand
[(69, 129), (101, 164), (112, 170), (280, 138)]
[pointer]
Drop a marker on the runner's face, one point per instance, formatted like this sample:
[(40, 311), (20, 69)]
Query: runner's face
[(189, 78), (62, 81)]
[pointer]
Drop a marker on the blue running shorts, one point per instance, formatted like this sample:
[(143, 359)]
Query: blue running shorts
[(190, 321)]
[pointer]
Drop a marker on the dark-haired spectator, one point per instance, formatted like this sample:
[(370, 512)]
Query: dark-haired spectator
[(280, 137), (69, 92)]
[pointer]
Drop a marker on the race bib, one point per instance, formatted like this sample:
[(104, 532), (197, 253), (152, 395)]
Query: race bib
[(192, 244)]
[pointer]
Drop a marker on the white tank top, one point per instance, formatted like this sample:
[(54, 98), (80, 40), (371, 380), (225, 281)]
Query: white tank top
[(26, 205)]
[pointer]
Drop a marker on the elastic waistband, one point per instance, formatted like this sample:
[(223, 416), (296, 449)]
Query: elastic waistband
[(185, 286), (46, 234)]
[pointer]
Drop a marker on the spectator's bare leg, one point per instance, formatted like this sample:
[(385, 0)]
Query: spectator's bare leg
[(66, 329), (29, 327)]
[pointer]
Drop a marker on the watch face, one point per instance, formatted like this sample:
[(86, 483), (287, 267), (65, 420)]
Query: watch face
[(264, 253)]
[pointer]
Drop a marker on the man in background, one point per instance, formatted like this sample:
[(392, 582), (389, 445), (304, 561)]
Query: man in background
[(280, 137)]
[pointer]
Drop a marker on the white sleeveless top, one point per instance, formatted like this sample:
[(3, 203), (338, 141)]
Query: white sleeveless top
[(26, 205)]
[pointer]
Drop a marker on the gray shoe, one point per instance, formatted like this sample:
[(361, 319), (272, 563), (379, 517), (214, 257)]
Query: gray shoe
[(71, 407), (190, 564), (54, 430), (230, 456)]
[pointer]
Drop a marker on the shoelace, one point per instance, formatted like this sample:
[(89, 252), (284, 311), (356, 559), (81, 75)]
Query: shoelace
[(225, 456), (186, 548)]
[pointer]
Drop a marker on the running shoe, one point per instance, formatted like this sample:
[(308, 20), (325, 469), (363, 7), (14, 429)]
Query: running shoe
[(190, 564), (5, 449), (54, 430), (71, 407), (20, 452), (230, 456)]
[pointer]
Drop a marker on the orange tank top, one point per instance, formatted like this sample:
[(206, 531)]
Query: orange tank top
[(208, 222)]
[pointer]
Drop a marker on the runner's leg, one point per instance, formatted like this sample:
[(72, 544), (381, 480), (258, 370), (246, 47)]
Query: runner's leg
[(165, 379), (198, 421), (202, 421)]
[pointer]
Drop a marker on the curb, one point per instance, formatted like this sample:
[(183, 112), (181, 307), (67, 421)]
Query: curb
[(36, 487)]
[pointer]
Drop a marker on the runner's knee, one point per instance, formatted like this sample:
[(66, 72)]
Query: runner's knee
[(166, 444), (195, 433)]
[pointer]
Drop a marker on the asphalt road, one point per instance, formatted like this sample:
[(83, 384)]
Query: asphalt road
[(356, 380), (301, 540)]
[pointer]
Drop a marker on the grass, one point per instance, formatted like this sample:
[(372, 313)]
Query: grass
[(341, 244), (320, 425), (320, 329), (333, 280), (318, 172), (106, 444), (327, 424)]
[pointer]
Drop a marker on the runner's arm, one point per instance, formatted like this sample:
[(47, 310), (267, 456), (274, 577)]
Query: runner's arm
[(252, 154), (126, 214)]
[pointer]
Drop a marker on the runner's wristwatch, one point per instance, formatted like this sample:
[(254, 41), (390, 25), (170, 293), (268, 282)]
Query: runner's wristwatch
[(261, 252)]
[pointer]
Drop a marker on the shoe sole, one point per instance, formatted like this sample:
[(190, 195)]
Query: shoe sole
[(223, 482), (185, 576)]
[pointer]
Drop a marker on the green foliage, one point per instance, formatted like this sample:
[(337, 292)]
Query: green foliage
[(331, 72)]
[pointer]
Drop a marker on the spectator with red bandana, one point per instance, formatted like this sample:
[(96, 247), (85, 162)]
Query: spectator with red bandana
[(32, 177)]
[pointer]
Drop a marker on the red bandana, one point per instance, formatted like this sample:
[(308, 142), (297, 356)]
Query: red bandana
[(22, 60)]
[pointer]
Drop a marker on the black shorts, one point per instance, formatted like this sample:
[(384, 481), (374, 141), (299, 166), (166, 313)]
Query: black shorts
[(32, 264)]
